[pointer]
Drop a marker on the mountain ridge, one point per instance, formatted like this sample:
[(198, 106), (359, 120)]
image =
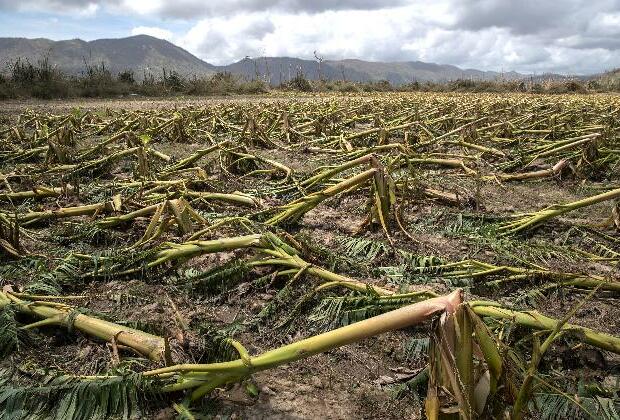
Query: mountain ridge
[(140, 53), (146, 54)]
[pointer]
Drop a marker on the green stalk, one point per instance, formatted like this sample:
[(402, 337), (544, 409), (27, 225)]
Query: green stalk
[(93, 164), (328, 173), (297, 208), (565, 145), (456, 130), (476, 269), (206, 377), (64, 212), (535, 319), (52, 313), (524, 176), (235, 198), (194, 248), (121, 218), (190, 160), (36, 192), (478, 147), (534, 219), (526, 388)]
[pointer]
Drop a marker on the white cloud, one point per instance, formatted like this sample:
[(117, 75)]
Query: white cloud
[(64, 7), (414, 32), (197, 9), (140, 7), (153, 31), (581, 36), (376, 34)]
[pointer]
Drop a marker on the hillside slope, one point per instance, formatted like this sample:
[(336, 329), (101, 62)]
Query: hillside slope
[(141, 53), (146, 54)]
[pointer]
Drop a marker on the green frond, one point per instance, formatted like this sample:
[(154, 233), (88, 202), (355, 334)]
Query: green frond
[(419, 263), (333, 312), (45, 284), (331, 260), (110, 263), (69, 398), (402, 275), (92, 233), (416, 348), (362, 249), (212, 343), (530, 297), (9, 338), (184, 412), (555, 406), (67, 272), (415, 386), (285, 296), (216, 280)]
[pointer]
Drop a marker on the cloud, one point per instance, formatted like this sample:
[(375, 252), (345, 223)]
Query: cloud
[(193, 9), (227, 39), (527, 36), (406, 34), (334, 34), (153, 31), (519, 17), (581, 36), (80, 7)]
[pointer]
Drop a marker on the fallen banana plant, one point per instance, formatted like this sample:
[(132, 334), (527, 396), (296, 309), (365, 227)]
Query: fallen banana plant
[(58, 314), (532, 220), (277, 254), (280, 254), (194, 248), (556, 170), (293, 211), (96, 165), (249, 165), (201, 379), (177, 211), (113, 205), (330, 172), (9, 236), (192, 159), (167, 252), (478, 269), (538, 321), (382, 196), (465, 363), (560, 146), (525, 391), (36, 192), (179, 208)]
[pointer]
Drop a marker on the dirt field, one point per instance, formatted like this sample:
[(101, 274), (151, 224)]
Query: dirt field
[(114, 193), (15, 106)]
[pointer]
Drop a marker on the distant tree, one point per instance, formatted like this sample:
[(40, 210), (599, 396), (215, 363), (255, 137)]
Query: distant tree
[(299, 82), (126, 76), (320, 61)]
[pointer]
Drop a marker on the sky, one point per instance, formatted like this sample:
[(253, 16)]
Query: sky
[(529, 36)]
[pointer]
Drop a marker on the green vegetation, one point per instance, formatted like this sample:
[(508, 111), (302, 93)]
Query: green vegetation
[(42, 80)]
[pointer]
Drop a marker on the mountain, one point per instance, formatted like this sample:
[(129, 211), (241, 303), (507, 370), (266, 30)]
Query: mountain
[(277, 69), (140, 53), (143, 53), (410, 71), (608, 77)]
